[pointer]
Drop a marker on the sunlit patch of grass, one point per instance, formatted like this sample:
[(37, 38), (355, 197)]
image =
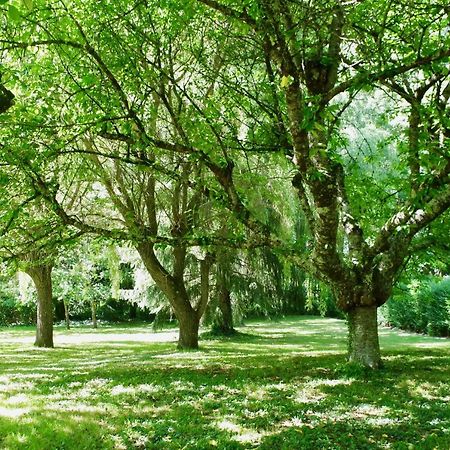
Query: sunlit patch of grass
[(276, 385)]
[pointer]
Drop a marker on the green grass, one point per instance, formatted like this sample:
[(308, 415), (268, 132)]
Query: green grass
[(279, 385)]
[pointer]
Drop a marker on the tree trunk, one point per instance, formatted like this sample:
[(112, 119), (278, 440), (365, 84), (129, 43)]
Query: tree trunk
[(66, 314), (94, 313), (175, 291), (364, 347), (225, 323), (205, 269), (189, 325), (42, 279)]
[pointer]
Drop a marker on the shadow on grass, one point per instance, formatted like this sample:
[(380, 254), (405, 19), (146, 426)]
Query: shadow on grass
[(274, 386)]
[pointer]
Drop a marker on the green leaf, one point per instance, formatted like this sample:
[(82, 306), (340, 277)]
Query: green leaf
[(13, 13), (2, 2), (88, 79), (28, 4), (284, 81)]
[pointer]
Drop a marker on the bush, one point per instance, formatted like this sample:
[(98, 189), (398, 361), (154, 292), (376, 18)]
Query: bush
[(421, 307), (434, 307), (13, 311)]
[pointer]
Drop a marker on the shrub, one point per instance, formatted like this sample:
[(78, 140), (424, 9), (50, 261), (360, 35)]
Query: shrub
[(13, 311), (434, 306), (421, 307)]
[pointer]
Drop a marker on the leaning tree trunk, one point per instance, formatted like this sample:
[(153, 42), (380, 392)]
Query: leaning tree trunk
[(173, 287), (42, 279), (363, 343)]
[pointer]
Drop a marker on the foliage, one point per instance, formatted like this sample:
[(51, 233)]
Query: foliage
[(279, 385), (423, 307), (13, 309), (142, 122), (320, 300)]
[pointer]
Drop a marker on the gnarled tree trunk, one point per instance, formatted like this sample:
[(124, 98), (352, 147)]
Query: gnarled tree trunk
[(363, 343), (42, 279)]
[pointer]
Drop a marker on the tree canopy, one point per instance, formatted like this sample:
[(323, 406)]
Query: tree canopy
[(216, 123)]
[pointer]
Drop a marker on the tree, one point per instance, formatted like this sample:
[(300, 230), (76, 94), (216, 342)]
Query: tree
[(236, 89), (39, 269), (116, 150), (30, 234), (20, 245), (316, 66)]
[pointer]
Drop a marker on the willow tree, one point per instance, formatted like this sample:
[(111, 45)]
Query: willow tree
[(25, 231)]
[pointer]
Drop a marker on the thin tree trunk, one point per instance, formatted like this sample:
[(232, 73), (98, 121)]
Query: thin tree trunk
[(94, 313), (42, 279), (364, 346), (225, 320), (66, 314), (205, 271)]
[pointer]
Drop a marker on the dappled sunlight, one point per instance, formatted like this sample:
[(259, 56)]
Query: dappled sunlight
[(69, 406), (445, 343), (9, 385), (393, 338), (13, 412), (150, 337), (240, 433), (244, 392), (310, 392), (426, 390)]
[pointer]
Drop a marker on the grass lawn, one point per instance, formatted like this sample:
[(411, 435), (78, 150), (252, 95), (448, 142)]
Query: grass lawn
[(281, 385)]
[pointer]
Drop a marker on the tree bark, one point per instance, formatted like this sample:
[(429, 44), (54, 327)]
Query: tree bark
[(94, 313), (189, 324), (225, 319), (174, 288), (42, 279), (363, 344)]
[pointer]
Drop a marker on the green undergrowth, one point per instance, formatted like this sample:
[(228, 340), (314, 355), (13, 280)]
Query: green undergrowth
[(276, 385)]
